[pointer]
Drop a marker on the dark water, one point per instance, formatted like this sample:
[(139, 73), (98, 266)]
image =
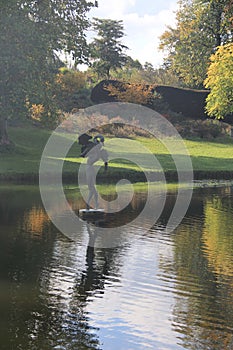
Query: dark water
[(158, 291)]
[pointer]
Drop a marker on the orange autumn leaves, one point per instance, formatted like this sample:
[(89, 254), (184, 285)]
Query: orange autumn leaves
[(132, 93)]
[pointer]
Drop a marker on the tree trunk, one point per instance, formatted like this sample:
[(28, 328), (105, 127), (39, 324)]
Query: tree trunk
[(219, 16), (4, 138), (108, 72)]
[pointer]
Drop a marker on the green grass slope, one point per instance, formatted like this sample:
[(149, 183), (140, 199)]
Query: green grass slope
[(208, 156)]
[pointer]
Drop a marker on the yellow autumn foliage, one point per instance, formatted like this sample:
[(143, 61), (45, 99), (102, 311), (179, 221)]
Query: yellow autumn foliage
[(220, 81)]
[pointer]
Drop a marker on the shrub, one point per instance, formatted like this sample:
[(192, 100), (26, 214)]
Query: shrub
[(71, 91), (132, 93), (47, 116), (110, 126), (206, 129)]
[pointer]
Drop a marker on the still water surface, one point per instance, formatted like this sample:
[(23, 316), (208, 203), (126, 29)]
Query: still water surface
[(157, 291)]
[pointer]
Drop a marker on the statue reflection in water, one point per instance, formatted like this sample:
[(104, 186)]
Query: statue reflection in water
[(93, 277), (67, 283)]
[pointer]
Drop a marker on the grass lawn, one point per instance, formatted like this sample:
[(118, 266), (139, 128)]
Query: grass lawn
[(29, 142), (213, 156)]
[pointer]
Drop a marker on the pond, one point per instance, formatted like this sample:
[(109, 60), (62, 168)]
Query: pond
[(158, 290)]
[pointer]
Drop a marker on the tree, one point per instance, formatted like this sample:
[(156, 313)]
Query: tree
[(71, 90), (220, 81), (107, 50), (202, 25), (131, 71), (136, 73), (32, 32)]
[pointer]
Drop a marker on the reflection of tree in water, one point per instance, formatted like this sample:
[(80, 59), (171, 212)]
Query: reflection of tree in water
[(217, 235), (46, 280), (20, 265), (50, 279), (203, 311)]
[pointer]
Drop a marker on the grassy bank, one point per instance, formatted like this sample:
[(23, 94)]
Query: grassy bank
[(210, 158)]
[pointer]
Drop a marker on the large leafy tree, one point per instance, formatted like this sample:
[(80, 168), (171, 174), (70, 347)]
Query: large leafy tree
[(202, 25), (220, 81), (107, 50), (32, 33)]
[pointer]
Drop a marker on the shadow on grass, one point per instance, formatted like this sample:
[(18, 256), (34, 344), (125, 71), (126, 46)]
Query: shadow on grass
[(25, 168)]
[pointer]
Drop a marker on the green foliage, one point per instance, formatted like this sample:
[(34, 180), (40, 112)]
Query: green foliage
[(71, 90), (130, 72), (47, 115), (107, 50), (31, 33), (136, 73), (61, 24), (17, 51), (220, 81), (202, 25), (68, 92), (159, 76)]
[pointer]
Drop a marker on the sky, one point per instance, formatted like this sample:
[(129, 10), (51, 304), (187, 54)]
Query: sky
[(144, 21)]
